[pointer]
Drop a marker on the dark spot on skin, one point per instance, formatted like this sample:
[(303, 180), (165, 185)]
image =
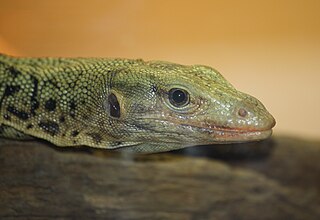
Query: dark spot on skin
[(13, 71), (74, 142), (34, 106), (11, 90), (49, 127), (62, 119), (29, 126), (72, 108), (74, 133), (50, 105), (95, 137), (34, 101), (154, 88), (72, 105), (20, 114), (114, 107), (7, 117)]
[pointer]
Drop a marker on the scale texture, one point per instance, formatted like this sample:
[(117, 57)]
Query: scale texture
[(124, 104)]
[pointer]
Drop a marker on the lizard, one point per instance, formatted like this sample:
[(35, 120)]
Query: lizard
[(125, 104)]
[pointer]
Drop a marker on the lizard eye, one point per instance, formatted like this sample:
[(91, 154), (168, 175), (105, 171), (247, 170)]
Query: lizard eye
[(179, 97)]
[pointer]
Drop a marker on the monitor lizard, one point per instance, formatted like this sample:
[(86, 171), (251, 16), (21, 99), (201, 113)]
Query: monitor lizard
[(126, 104)]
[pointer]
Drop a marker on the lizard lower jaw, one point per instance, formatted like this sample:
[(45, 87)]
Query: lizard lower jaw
[(224, 135), (198, 134), (229, 134), (233, 136)]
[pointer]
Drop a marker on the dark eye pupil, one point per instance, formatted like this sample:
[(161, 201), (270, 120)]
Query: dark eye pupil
[(114, 106), (178, 97)]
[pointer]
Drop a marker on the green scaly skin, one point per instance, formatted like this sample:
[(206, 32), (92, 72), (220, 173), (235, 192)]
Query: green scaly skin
[(65, 101)]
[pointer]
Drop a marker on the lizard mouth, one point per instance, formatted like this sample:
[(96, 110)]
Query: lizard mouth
[(238, 136), (202, 134), (219, 134)]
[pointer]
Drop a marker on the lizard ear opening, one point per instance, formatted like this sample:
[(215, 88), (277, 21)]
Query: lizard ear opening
[(114, 107)]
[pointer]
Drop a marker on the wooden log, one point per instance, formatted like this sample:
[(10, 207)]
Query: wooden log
[(39, 181)]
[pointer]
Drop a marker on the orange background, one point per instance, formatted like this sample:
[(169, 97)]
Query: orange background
[(269, 49)]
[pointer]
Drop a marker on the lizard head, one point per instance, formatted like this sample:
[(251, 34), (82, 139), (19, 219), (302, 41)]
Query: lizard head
[(173, 106)]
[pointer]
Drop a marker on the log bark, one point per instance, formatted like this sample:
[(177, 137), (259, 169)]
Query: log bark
[(278, 180)]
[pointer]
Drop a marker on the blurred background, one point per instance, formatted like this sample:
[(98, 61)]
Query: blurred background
[(269, 49)]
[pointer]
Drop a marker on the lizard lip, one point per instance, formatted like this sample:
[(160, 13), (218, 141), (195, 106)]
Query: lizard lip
[(237, 129), (223, 134), (228, 134), (219, 134), (232, 136)]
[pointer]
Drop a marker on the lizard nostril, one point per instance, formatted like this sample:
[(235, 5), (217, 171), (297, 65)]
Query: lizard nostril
[(242, 112)]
